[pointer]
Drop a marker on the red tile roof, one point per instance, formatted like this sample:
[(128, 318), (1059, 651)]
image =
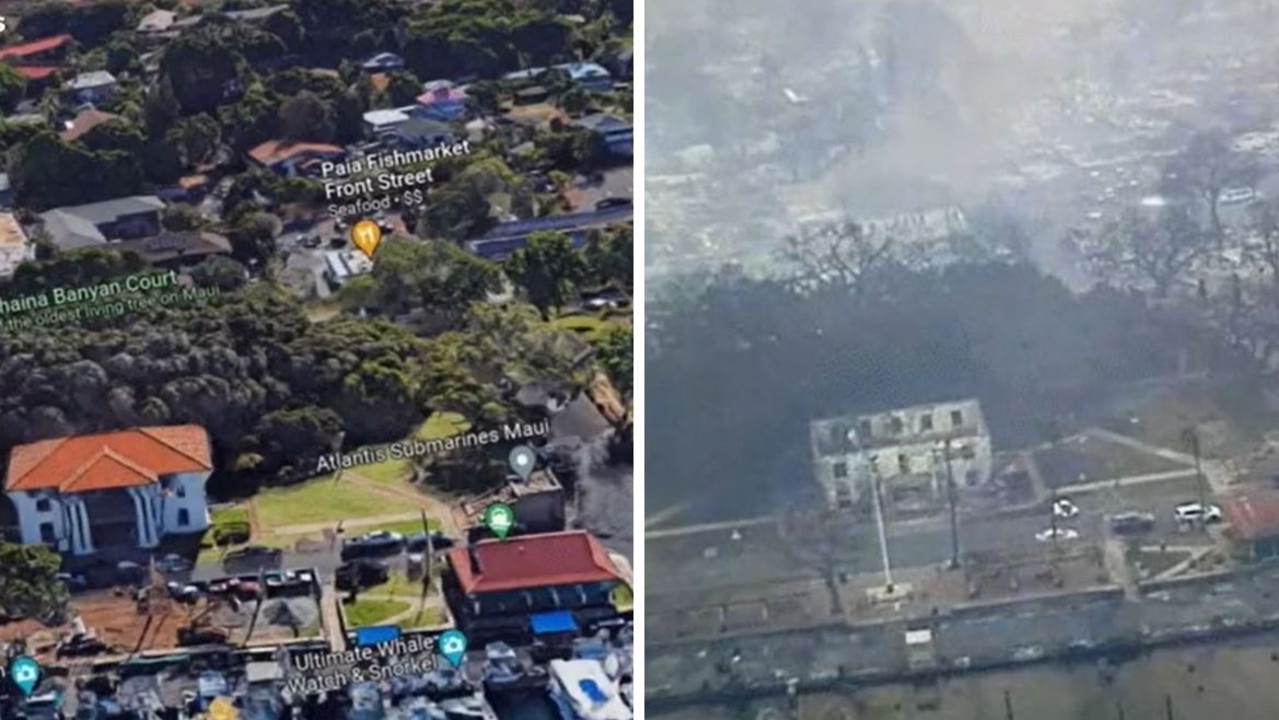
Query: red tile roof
[(531, 561), (112, 460), (274, 151), (35, 47), (1254, 515), (36, 72)]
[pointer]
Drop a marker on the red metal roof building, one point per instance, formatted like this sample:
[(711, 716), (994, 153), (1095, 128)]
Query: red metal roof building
[(35, 50), (1253, 523), (497, 585), (133, 486)]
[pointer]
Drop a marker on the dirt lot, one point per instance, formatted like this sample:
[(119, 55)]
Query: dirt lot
[(1084, 458), (116, 621)]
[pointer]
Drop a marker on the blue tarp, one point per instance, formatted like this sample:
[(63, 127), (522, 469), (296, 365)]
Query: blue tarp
[(560, 621), (376, 635)]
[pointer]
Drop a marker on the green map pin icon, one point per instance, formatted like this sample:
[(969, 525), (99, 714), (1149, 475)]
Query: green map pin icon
[(499, 518)]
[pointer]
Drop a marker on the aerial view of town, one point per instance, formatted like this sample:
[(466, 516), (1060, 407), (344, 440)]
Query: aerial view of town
[(316, 337), (962, 332)]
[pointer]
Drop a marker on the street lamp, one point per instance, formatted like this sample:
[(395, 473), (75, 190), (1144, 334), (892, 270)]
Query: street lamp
[(879, 521)]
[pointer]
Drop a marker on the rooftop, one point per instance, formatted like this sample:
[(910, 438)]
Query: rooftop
[(274, 151), (96, 78), (34, 47), (528, 561), (111, 460), (84, 122), (172, 245), (888, 428)]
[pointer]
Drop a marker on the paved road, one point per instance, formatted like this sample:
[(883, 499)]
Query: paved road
[(714, 558)]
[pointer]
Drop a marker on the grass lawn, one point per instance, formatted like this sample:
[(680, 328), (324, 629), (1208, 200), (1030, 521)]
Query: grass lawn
[(397, 472), (442, 425), (230, 514), (318, 501), (363, 613), (398, 586), (429, 616), (592, 328), (389, 472)]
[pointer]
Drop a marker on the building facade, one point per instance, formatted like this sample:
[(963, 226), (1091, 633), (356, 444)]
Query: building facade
[(907, 450), (127, 489), (495, 588)]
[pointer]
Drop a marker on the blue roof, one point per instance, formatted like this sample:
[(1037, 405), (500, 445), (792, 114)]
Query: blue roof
[(376, 635), (560, 621)]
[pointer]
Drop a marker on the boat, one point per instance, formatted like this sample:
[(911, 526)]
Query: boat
[(505, 669), (582, 690)]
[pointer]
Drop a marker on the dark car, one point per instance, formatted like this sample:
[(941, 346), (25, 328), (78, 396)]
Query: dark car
[(613, 202), (417, 542), (1131, 523), (361, 574), (253, 558), (372, 544)]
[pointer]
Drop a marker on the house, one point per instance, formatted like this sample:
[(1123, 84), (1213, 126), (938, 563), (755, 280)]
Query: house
[(420, 133), (342, 265), (293, 159), (255, 15), (94, 224), (15, 247), (1252, 524), (38, 60), (46, 51), (617, 133), (910, 453), (588, 76), (92, 87), (157, 21), (442, 102), (83, 122), (177, 249), (505, 238), (383, 62), (497, 589), (380, 122), (538, 502), (87, 493)]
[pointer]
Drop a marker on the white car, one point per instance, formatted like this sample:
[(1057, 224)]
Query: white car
[(1057, 534), (1196, 512), (1064, 508), (1235, 196)]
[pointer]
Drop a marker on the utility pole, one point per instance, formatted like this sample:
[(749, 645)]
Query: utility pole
[(950, 497), (1120, 707), (1008, 705), (1192, 437), (879, 522), (1168, 706)]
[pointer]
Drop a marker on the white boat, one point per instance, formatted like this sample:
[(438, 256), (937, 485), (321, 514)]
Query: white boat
[(582, 690)]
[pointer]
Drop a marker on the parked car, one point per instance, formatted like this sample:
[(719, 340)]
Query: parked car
[(382, 542), (173, 563), (1193, 512), (253, 558), (1051, 534), (417, 542), (1131, 523), (1064, 508)]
